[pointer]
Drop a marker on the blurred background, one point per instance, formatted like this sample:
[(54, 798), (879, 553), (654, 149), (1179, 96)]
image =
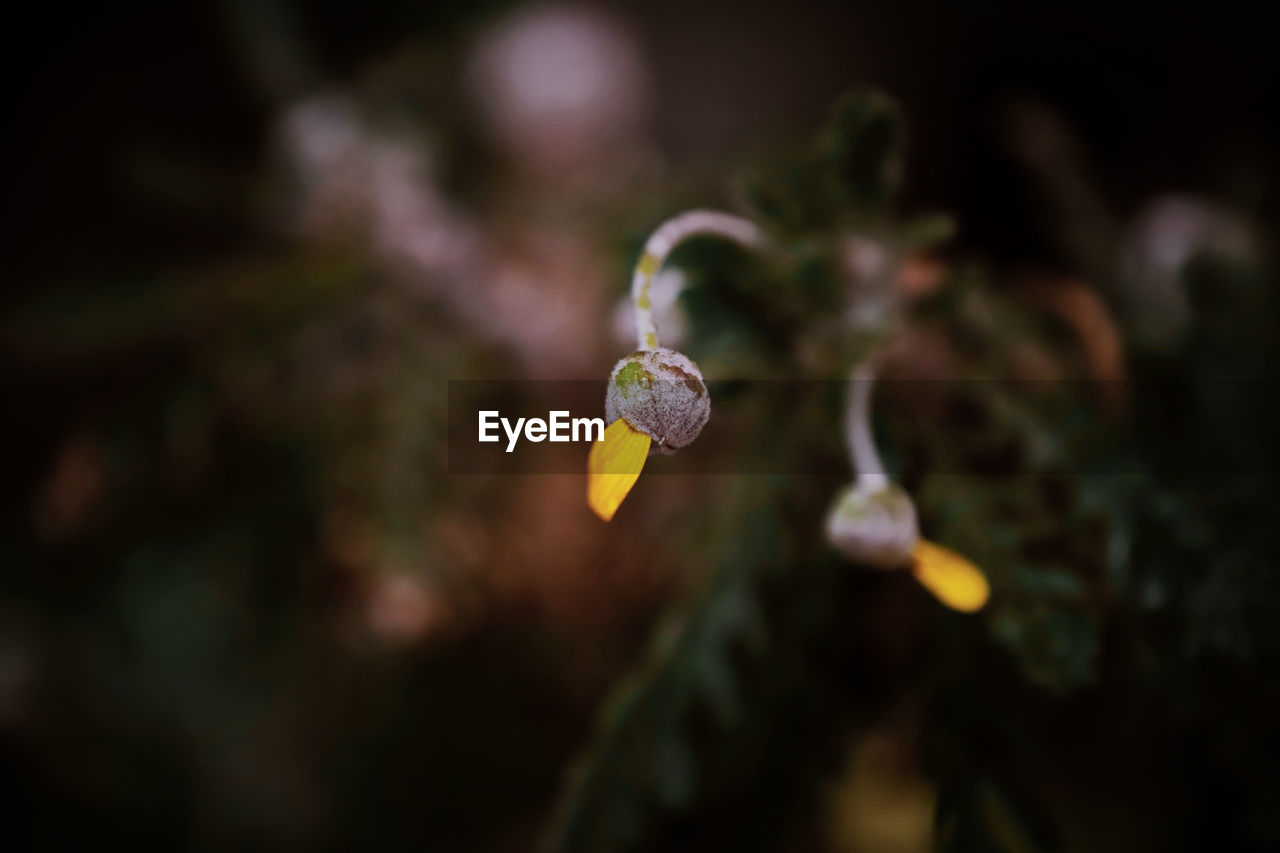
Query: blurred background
[(243, 602)]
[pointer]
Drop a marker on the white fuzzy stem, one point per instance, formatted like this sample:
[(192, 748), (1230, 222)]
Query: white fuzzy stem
[(857, 427), (692, 223)]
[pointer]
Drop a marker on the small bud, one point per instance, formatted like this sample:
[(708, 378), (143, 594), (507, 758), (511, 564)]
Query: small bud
[(874, 526), (660, 393)]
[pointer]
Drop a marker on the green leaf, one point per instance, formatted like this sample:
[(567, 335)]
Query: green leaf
[(864, 144), (977, 814)]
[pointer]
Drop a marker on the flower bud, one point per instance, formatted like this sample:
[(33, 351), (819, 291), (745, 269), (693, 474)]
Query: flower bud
[(660, 393), (875, 526)]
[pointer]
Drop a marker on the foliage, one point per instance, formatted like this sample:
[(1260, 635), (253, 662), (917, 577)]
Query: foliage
[(1098, 532)]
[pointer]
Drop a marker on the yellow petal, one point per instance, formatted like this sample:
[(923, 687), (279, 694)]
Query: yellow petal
[(613, 466), (951, 578)]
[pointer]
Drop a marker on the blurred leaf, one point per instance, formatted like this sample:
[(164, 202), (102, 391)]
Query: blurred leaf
[(850, 174), (976, 815), (865, 145)]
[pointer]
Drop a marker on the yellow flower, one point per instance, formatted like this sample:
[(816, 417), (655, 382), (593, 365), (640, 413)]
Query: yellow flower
[(656, 395), (658, 402), (876, 526), (613, 466), (952, 579)]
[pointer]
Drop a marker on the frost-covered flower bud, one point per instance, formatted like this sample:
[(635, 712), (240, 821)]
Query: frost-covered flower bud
[(660, 392), (875, 526)]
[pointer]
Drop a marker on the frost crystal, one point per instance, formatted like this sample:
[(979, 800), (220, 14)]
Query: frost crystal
[(876, 527), (661, 393)]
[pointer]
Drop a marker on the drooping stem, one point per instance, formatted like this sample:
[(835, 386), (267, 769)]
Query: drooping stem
[(857, 427), (692, 223)]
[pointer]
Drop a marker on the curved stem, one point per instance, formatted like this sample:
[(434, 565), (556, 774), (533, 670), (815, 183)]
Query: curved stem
[(857, 426), (692, 223)]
